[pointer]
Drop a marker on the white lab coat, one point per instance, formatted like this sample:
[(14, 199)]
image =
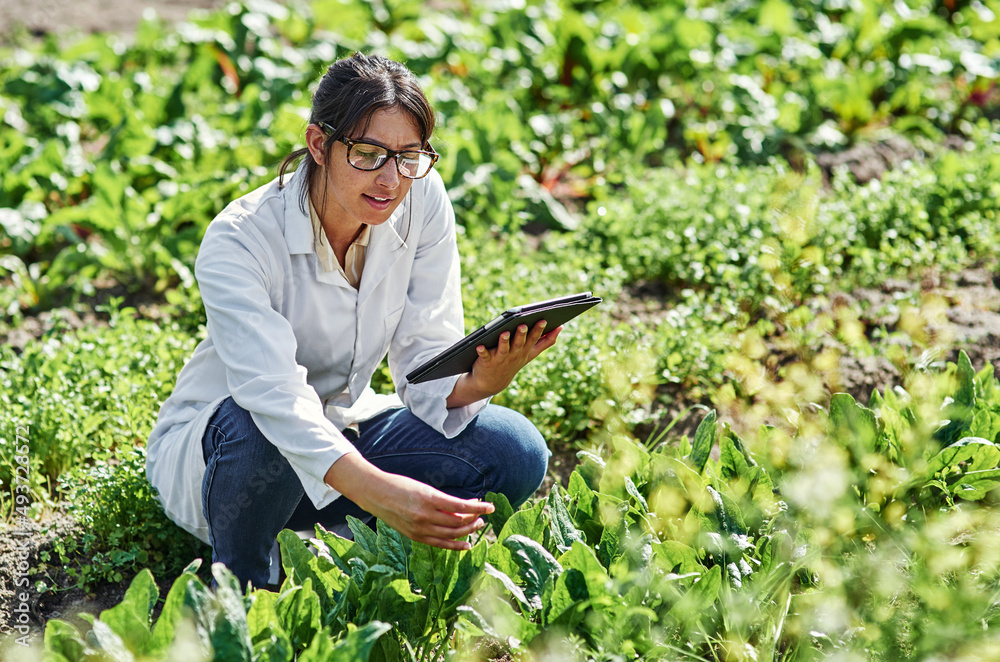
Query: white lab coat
[(296, 346)]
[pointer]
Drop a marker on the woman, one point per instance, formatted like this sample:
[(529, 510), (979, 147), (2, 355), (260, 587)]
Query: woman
[(308, 282)]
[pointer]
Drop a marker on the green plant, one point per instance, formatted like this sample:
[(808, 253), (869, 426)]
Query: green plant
[(86, 393), (858, 531), (123, 526)]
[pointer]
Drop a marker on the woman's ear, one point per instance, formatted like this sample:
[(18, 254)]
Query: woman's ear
[(315, 142)]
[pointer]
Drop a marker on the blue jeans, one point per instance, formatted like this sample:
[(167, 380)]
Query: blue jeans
[(250, 491)]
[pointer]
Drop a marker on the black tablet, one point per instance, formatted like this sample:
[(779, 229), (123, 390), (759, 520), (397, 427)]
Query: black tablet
[(459, 357)]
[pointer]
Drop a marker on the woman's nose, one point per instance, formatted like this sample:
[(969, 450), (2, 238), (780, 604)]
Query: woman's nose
[(388, 175)]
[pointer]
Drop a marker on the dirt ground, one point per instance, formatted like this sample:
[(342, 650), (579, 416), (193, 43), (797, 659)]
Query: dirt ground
[(41, 17)]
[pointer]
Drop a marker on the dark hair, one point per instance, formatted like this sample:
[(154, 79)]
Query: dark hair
[(349, 93)]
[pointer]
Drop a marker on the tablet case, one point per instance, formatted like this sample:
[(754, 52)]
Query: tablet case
[(459, 357)]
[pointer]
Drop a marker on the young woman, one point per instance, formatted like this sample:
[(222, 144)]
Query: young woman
[(308, 282)]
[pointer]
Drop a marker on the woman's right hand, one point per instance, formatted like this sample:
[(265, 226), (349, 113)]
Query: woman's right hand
[(417, 510)]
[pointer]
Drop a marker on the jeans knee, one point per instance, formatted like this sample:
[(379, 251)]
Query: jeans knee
[(522, 456)]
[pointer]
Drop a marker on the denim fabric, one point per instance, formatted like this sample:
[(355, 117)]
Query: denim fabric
[(250, 492)]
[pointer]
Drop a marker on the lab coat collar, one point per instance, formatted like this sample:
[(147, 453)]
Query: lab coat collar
[(298, 226), (385, 244)]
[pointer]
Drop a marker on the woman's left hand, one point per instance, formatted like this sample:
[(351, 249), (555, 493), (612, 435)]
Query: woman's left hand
[(495, 368)]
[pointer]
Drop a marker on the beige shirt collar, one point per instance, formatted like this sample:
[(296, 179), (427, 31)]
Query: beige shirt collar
[(354, 261)]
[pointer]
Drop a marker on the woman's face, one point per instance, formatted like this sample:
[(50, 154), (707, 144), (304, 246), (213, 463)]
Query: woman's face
[(356, 196)]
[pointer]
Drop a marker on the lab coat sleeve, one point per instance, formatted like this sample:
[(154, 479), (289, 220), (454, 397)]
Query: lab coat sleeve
[(234, 268), (432, 318)]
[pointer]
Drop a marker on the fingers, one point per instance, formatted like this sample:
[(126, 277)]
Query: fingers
[(536, 334), (546, 341), (452, 533), (515, 343), (445, 543), (449, 504), (521, 338), (445, 530)]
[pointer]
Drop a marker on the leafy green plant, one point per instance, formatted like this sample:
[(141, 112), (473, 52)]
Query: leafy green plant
[(86, 393), (858, 531), (540, 104), (221, 622), (123, 526)]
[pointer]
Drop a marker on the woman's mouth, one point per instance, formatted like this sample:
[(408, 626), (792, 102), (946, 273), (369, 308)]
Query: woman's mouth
[(377, 202)]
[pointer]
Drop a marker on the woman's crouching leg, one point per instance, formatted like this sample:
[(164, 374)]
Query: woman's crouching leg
[(514, 450), (248, 493), (499, 451)]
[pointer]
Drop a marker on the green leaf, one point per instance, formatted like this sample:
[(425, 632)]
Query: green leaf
[(342, 550), (633, 492), (528, 522), (581, 558), (363, 535), (495, 613), (629, 460), (446, 576), (609, 547), (174, 610), (502, 511), (393, 548), (701, 596), (474, 624), (201, 604), (974, 485), (704, 440), (300, 564), (396, 602), (508, 584), (357, 645), (584, 507), (320, 649), (965, 396), (110, 645), (986, 424), (562, 530), (727, 513), (63, 639), (675, 557), (535, 566), (571, 590), (853, 424), (591, 468), (299, 612), (975, 452), (735, 460), (960, 412), (129, 619), (269, 639), (230, 634), (470, 565)]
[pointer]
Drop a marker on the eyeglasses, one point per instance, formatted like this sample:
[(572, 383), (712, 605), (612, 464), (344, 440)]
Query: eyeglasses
[(410, 163)]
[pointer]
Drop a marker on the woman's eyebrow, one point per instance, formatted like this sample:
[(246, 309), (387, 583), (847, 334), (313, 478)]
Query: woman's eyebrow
[(372, 141)]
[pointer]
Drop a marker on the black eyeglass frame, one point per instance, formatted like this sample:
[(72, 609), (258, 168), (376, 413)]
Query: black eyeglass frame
[(391, 154)]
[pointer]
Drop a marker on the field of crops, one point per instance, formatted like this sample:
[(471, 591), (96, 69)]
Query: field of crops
[(776, 439)]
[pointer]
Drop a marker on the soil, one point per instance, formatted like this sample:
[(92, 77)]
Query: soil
[(973, 319), (65, 17)]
